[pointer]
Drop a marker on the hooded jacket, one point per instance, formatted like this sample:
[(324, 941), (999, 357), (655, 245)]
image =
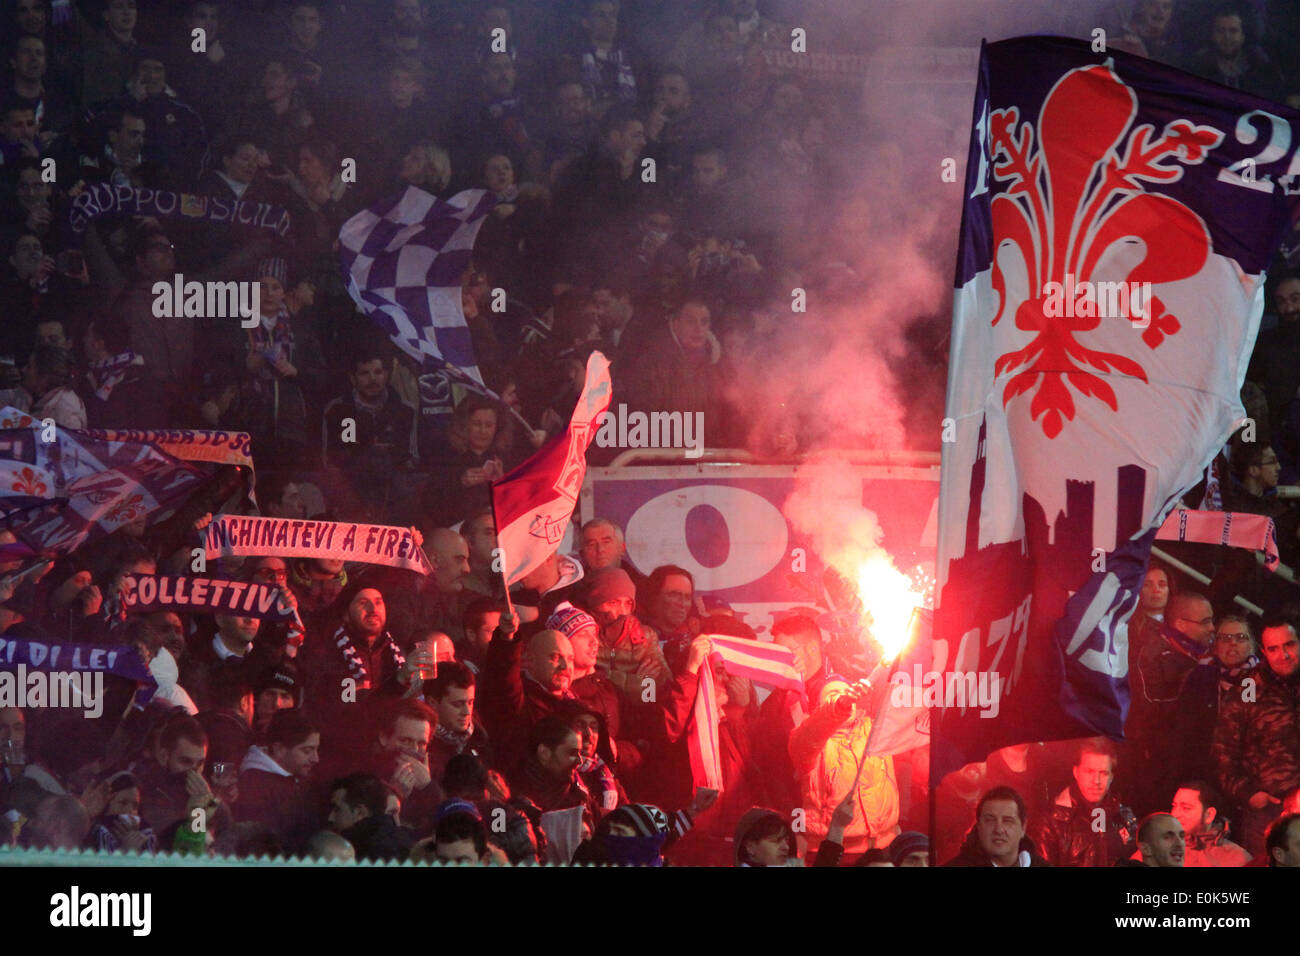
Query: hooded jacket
[(631, 658), (380, 838), (549, 793), (826, 751), (270, 795)]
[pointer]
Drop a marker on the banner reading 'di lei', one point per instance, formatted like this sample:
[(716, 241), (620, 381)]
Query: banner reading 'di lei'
[(1119, 216)]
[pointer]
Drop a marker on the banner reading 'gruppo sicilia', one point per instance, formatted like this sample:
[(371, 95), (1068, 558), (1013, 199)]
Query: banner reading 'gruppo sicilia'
[(1119, 217)]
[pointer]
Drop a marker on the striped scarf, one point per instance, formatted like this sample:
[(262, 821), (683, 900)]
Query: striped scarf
[(275, 343), (107, 374), (760, 661), (455, 738), (357, 669), (596, 64)]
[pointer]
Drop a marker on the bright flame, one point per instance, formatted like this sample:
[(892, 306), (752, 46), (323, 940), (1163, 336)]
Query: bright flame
[(890, 597)]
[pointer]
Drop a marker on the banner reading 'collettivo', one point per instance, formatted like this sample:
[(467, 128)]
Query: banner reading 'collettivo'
[(149, 593)]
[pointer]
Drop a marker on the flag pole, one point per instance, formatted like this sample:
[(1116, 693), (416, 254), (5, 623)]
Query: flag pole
[(505, 584)]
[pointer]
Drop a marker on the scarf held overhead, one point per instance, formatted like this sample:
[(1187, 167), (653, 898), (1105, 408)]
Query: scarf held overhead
[(103, 199), (239, 536)]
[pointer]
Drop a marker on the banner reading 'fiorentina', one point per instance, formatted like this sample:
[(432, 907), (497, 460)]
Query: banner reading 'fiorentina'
[(238, 536), (1119, 217)]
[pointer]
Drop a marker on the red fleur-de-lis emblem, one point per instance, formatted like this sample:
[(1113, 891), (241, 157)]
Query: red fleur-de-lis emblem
[(126, 510), (28, 482), (1072, 198)]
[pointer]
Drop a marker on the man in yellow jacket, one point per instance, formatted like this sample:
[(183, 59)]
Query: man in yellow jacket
[(829, 754)]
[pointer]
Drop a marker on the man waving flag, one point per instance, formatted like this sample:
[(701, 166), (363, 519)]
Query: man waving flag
[(1119, 217)]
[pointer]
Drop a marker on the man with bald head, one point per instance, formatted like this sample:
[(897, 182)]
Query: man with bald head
[(1175, 703), (60, 823), (523, 681), (1161, 840), (449, 553), (328, 845), (434, 601)]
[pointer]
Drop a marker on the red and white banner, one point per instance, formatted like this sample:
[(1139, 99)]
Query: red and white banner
[(534, 503), (1074, 427)]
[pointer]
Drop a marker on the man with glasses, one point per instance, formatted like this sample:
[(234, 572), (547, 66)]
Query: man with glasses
[(1256, 745), (1257, 471), (1175, 698), (1234, 649)]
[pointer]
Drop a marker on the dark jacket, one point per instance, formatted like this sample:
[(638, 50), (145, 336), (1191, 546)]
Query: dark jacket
[(972, 854), (1067, 837), (383, 435), (442, 748), (1170, 689), (341, 717), (380, 838), (1256, 743), (200, 667), (511, 702), (598, 692), (670, 778), (228, 736), (135, 402), (531, 781), (779, 715)]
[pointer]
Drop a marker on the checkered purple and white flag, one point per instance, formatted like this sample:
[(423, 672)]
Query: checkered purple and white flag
[(403, 259)]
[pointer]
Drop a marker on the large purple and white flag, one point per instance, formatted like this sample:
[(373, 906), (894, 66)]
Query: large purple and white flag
[(403, 259), (1119, 217), (60, 488)]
